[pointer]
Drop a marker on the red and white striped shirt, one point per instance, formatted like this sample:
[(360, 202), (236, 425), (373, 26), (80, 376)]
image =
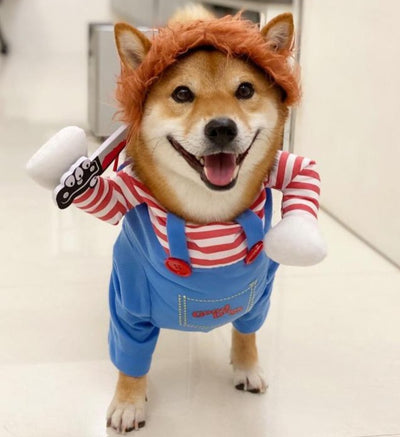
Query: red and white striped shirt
[(212, 245)]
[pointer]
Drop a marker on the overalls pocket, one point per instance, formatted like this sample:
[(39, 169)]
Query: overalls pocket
[(207, 314)]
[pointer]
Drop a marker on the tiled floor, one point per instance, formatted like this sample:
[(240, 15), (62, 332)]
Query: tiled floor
[(330, 348)]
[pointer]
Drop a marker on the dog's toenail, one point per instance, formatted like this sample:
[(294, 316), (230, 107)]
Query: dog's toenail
[(254, 390), (240, 386)]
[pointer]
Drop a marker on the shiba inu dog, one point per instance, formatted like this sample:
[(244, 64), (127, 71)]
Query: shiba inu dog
[(207, 120), (204, 104)]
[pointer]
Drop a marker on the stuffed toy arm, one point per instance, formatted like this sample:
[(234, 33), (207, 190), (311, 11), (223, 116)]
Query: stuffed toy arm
[(107, 200), (296, 239)]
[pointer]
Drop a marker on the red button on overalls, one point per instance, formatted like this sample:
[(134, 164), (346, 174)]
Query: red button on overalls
[(178, 266), (253, 253)]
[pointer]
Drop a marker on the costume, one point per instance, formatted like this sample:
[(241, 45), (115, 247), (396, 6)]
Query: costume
[(171, 274), (147, 293), (219, 244), (146, 296)]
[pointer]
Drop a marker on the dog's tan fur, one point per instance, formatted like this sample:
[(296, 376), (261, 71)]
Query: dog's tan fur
[(128, 392), (189, 13), (214, 79), (216, 86), (244, 354)]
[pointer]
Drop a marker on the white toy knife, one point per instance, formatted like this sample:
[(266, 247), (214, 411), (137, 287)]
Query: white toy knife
[(84, 172)]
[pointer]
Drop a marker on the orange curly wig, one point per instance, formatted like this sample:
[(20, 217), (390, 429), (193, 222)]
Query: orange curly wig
[(233, 36)]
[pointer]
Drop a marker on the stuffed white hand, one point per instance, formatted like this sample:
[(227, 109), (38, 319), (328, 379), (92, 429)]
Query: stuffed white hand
[(55, 157), (295, 241)]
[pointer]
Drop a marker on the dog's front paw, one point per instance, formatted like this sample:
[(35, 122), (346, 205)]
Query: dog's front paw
[(125, 417), (251, 380)]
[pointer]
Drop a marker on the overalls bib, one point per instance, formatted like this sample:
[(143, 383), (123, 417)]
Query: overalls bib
[(150, 290)]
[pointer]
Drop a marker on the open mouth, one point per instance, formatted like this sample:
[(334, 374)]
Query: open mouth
[(219, 171)]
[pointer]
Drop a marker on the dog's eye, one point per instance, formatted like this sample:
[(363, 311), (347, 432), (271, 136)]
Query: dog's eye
[(182, 94), (245, 91)]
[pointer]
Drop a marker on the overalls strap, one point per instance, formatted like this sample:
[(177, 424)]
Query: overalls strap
[(179, 260), (252, 226), (177, 238)]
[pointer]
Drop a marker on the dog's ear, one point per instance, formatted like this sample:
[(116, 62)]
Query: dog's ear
[(132, 45), (278, 33)]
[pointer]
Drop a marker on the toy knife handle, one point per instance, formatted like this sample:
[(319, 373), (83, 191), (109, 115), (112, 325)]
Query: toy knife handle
[(81, 176)]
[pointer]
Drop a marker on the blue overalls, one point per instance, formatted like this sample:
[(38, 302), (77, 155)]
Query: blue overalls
[(149, 290)]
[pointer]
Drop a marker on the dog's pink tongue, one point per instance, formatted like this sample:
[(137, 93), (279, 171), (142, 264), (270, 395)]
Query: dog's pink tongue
[(220, 168)]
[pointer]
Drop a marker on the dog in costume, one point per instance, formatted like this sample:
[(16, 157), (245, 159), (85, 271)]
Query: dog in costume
[(204, 101)]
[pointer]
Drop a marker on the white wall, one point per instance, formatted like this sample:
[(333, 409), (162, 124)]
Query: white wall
[(36, 26), (349, 120), (48, 38)]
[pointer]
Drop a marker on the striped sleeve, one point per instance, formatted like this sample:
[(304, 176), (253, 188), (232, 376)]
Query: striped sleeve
[(111, 198), (299, 181)]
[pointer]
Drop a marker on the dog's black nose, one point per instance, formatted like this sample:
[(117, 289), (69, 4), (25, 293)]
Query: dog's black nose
[(221, 131)]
